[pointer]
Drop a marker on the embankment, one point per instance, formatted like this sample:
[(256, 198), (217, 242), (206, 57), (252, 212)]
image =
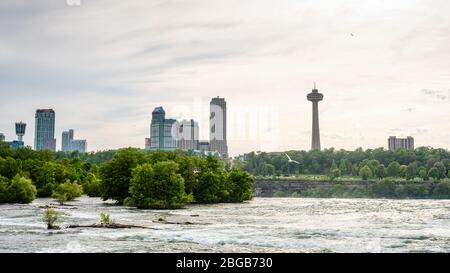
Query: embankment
[(351, 189)]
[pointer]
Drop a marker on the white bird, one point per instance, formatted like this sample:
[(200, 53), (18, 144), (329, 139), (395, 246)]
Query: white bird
[(292, 161)]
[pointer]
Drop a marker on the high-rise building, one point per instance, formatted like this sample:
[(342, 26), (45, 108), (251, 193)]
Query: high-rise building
[(66, 139), (395, 143), (45, 130), (79, 145), (188, 135), (315, 97), (218, 126), (2, 137), (163, 132), (148, 143), (69, 144)]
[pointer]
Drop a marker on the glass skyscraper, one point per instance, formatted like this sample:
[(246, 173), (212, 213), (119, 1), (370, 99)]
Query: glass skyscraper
[(45, 130), (163, 132)]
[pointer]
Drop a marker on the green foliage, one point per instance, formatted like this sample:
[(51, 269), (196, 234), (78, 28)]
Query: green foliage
[(423, 173), (365, 172), (52, 217), (211, 187), (105, 219), (434, 173), (21, 190), (441, 170), (4, 195), (384, 188), (92, 186), (116, 174), (442, 190), (381, 171), (240, 186), (157, 187), (412, 171), (67, 191), (319, 162), (280, 194)]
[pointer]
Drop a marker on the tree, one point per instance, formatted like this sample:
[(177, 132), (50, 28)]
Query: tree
[(8, 167), (67, 191), (434, 173), (441, 169), (365, 172), (157, 187), (423, 173), (381, 171), (403, 170), (92, 185), (52, 217), (211, 187), (4, 183), (393, 169), (343, 167), (334, 171), (448, 174), (45, 179), (21, 190), (240, 185), (117, 173), (411, 171)]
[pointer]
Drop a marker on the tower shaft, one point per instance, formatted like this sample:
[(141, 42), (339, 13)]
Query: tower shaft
[(315, 144)]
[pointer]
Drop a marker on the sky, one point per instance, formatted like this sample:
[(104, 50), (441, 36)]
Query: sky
[(104, 65)]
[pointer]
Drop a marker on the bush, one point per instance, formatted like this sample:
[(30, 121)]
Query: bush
[(157, 187), (105, 220), (51, 217), (21, 190), (240, 185), (67, 192)]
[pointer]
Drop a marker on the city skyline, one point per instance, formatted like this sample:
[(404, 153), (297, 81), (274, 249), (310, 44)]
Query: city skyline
[(382, 65)]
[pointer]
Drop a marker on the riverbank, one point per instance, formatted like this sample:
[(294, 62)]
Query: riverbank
[(352, 189)]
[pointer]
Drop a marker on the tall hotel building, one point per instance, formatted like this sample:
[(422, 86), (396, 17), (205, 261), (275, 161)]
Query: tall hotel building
[(68, 144), (401, 143), (163, 132), (188, 135), (45, 130), (218, 126)]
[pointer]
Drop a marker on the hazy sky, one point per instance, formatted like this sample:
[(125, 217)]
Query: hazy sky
[(105, 64)]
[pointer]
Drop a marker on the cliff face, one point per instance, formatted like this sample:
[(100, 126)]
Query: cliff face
[(268, 188)]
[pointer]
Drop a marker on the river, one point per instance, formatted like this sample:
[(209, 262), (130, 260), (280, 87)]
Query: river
[(262, 225)]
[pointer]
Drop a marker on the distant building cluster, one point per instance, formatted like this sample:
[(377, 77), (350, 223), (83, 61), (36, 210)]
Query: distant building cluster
[(395, 143), (170, 134), (44, 134), (69, 144)]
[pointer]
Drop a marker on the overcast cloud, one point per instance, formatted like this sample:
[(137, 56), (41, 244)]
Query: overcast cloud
[(383, 66)]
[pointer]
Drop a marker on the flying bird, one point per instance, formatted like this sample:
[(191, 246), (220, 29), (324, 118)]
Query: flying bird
[(292, 161)]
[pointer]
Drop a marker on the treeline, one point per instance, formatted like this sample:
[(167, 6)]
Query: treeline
[(128, 176), (424, 163)]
